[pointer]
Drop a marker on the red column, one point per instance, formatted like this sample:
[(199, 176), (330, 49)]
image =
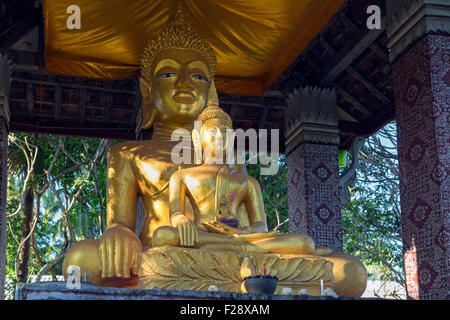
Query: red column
[(422, 98), (313, 192), (312, 139)]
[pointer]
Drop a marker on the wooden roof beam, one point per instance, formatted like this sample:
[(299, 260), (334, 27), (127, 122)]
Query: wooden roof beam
[(12, 34), (327, 47), (345, 57), (364, 81), (351, 128), (30, 100), (345, 115), (348, 23), (369, 85), (20, 57), (72, 86), (379, 52), (263, 118), (58, 101), (233, 112), (357, 75), (82, 114), (346, 96)]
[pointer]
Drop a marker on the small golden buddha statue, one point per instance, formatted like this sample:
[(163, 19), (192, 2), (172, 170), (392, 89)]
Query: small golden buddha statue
[(216, 192), (224, 214)]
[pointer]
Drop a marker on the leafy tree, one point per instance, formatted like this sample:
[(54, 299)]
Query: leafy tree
[(274, 191), (65, 177), (371, 220)]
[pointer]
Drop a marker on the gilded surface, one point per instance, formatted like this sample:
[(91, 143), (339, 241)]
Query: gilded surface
[(177, 34), (216, 192), (174, 95), (197, 269), (254, 40)]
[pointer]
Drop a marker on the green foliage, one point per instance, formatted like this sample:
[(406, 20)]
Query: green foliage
[(371, 220), (372, 234), (274, 191), (65, 172)]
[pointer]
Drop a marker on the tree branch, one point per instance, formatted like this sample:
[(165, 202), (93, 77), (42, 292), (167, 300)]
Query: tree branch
[(31, 159)]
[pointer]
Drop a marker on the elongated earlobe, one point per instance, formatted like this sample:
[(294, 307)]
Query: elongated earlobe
[(149, 111)]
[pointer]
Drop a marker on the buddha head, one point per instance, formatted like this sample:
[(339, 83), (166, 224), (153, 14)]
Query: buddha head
[(177, 69), (213, 138)]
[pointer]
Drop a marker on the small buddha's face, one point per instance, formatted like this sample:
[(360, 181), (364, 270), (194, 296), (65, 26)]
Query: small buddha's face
[(180, 85), (214, 135)]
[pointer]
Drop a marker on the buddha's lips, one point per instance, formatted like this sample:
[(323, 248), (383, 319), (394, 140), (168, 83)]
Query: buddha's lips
[(184, 97)]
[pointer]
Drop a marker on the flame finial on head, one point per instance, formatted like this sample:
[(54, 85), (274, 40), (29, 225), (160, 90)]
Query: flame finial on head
[(177, 34)]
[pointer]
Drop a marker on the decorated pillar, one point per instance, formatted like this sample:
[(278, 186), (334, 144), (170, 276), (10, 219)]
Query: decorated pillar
[(5, 84), (419, 45), (312, 140)]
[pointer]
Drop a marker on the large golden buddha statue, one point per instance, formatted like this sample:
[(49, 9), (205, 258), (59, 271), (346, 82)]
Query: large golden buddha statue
[(177, 72)]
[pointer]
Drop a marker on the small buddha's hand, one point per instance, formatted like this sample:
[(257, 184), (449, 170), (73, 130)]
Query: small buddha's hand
[(221, 228), (187, 230), (119, 250)]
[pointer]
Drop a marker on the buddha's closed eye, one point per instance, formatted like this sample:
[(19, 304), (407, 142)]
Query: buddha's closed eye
[(199, 77), (166, 75)]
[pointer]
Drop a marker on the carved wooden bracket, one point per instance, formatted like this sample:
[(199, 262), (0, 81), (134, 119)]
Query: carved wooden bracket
[(311, 116), (412, 20)]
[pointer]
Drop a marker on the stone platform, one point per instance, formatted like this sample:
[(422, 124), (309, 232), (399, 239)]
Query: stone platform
[(60, 291), (197, 269)]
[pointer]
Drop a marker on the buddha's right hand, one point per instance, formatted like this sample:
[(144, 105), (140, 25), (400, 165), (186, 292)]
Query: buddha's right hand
[(187, 230), (119, 250)]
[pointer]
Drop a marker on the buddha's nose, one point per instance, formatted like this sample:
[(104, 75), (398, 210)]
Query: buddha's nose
[(184, 82)]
